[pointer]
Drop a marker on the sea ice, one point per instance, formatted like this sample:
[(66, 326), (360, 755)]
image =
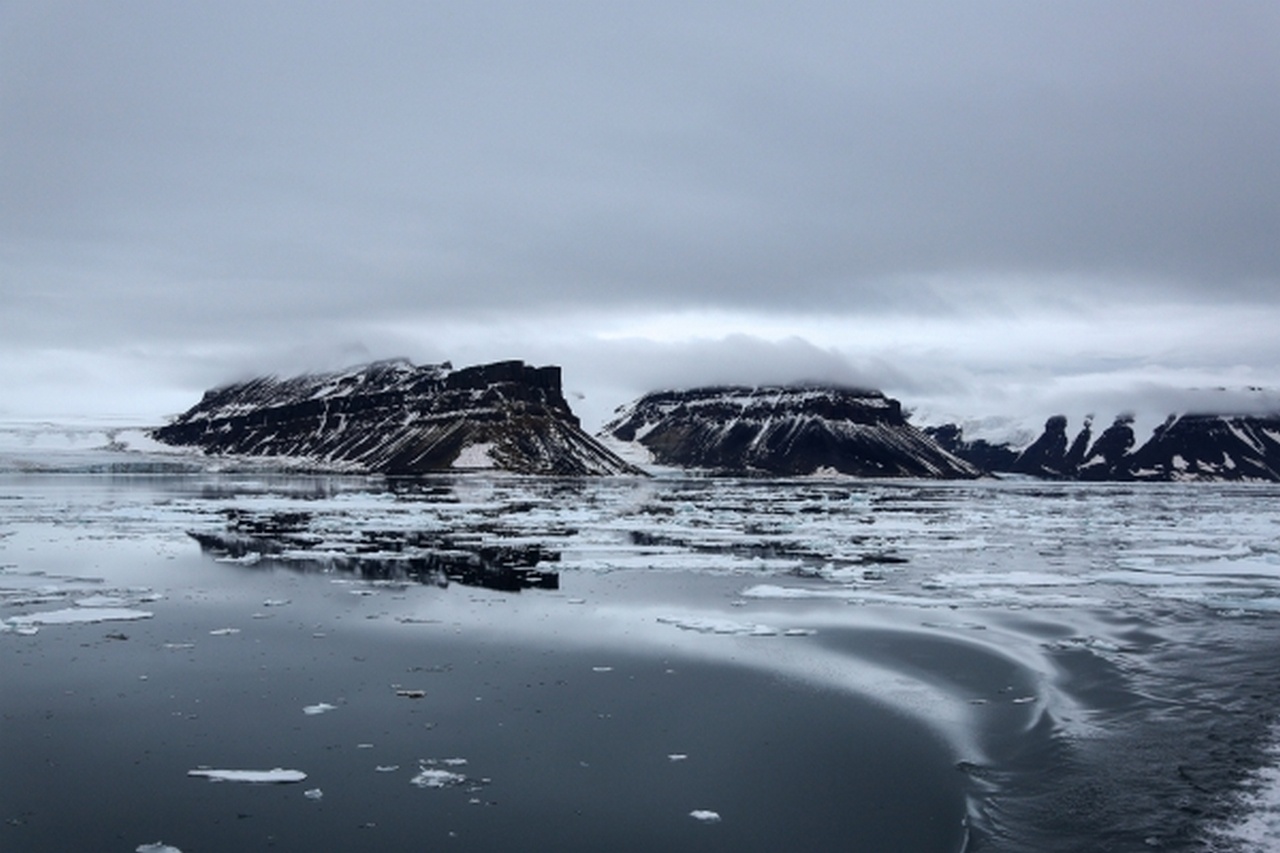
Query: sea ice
[(705, 815), (433, 777), (313, 794), (79, 615), (276, 775), (156, 847), (318, 708), (728, 626)]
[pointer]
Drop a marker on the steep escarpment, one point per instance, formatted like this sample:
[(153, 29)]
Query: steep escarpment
[(394, 417), (1185, 447), (783, 431)]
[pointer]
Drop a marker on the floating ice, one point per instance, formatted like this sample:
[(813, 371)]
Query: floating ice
[(705, 815), (318, 708), (223, 632), (276, 775), (156, 847), (704, 625), (79, 615), (677, 756), (313, 794), (433, 777), (101, 601)]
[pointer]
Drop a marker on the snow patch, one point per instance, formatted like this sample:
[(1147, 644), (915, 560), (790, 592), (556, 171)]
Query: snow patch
[(476, 457)]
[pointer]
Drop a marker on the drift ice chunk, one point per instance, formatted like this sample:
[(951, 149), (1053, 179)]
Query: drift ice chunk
[(318, 708), (705, 815), (156, 847), (276, 775), (432, 777)]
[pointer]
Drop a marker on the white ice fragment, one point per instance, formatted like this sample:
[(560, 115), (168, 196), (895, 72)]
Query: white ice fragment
[(453, 762), (318, 708), (79, 615), (223, 632), (178, 646), (276, 775), (432, 777), (602, 669), (386, 768), (313, 794), (156, 847), (677, 756), (275, 602), (705, 815)]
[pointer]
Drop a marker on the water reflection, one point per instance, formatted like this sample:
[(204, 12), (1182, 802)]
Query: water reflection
[(287, 539)]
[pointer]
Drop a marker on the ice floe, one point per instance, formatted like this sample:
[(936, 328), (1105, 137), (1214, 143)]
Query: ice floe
[(434, 777), (79, 616), (156, 847), (705, 815), (318, 708), (276, 775), (714, 625)]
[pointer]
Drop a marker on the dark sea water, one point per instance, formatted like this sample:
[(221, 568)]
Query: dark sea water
[(501, 663)]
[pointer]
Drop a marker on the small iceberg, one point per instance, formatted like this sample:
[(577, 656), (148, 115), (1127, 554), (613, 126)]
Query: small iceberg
[(705, 815)]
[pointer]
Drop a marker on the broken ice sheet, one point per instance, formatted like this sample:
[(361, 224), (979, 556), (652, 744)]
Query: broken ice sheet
[(275, 775), (318, 708), (156, 847), (705, 815)]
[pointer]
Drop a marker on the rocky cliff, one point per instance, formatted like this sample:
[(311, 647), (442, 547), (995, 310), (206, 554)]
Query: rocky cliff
[(783, 431), (1184, 447), (394, 417)]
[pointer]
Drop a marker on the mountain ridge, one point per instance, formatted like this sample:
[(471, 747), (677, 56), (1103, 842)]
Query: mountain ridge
[(392, 417)]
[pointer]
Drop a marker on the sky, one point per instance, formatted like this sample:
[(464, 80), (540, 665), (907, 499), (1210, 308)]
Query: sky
[(990, 210)]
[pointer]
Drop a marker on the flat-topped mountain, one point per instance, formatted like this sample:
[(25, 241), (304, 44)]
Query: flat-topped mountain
[(1184, 447), (783, 430), (393, 417)]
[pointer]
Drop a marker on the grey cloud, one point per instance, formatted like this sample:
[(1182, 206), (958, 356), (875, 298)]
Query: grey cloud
[(261, 178)]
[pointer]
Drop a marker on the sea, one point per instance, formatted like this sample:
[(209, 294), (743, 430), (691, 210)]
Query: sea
[(216, 654)]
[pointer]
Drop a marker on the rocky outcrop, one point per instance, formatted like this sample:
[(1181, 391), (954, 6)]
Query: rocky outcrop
[(396, 418), (1184, 447), (783, 431)]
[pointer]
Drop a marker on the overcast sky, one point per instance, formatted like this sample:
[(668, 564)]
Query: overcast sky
[(983, 208)]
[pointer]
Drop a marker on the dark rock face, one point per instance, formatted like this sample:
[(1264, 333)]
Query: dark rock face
[(396, 418), (784, 431), (1211, 447), (1185, 447), (980, 453)]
